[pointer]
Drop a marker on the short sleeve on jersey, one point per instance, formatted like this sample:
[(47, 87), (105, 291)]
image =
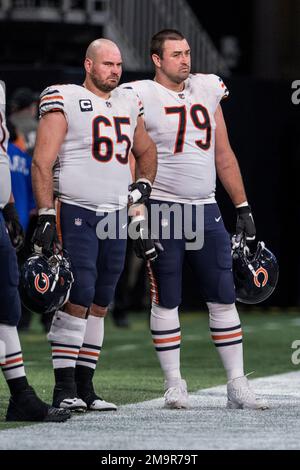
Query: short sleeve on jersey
[(222, 90), (128, 86), (51, 99)]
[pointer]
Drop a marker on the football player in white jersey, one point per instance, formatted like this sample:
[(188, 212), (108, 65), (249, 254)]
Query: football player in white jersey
[(24, 404), (183, 116), (81, 156)]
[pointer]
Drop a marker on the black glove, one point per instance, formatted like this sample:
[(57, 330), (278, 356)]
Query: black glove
[(245, 224), (145, 246), (14, 227), (139, 191), (45, 239)]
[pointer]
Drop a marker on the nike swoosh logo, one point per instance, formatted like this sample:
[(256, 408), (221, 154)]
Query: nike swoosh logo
[(217, 219), (47, 223)]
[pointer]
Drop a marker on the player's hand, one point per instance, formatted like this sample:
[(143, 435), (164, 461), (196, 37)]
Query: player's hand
[(14, 227), (139, 191), (245, 224), (145, 246), (45, 239), (147, 249)]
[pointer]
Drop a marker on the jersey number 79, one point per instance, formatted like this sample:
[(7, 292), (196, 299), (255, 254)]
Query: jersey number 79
[(205, 125)]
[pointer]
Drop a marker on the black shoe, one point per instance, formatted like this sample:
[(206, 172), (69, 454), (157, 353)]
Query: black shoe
[(94, 402), (67, 398), (27, 406)]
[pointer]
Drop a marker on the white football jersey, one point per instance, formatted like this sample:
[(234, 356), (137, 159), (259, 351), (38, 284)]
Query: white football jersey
[(92, 170), (183, 127), (5, 181)]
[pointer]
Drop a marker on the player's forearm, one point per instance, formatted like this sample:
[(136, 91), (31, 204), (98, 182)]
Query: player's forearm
[(146, 164), (42, 185), (230, 176)]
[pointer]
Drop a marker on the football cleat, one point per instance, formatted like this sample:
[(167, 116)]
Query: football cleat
[(93, 401), (176, 395), (241, 396), (66, 399), (27, 406), (96, 403)]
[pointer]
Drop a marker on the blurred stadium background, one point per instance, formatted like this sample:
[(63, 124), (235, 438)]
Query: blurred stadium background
[(255, 48)]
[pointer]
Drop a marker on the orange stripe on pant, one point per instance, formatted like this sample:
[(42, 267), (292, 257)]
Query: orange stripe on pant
[(153, 284), (58, 221)]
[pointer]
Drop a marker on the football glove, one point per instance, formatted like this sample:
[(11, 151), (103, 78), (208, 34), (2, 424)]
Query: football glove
[(13, 225), (139, 191), (245, 224), (144, 245), (45, 239)]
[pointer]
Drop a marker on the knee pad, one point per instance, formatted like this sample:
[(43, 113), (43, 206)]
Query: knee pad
[(67, 329)]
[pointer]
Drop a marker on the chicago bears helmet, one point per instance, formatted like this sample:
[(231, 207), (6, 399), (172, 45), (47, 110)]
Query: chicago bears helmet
[(255, 275), (45, 283)]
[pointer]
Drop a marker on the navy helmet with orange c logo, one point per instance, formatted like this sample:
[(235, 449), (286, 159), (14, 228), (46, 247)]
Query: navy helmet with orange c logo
[(255, 274), (45, 283)]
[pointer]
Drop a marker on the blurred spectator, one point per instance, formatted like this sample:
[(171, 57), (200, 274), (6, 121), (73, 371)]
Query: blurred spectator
[(20, 166), (23, 115)]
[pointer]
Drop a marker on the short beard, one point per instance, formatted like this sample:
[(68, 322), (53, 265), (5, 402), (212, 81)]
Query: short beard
[(104, 87)]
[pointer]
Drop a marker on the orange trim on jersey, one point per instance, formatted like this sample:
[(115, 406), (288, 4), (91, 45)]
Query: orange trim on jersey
[(56, 97), (167, 340), (58, 221), (43, 111), (232, 335)]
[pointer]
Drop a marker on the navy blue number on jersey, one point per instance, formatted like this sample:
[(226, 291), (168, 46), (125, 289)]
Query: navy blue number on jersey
[(103, 146), (202, 125)]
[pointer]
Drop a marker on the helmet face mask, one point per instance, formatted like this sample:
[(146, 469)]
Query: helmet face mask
[(45, 283), (255, 274)]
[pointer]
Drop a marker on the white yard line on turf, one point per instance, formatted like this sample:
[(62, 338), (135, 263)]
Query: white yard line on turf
[(206, 425)]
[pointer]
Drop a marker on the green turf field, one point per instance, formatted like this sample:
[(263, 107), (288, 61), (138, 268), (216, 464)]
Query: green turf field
[(128, 370)]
